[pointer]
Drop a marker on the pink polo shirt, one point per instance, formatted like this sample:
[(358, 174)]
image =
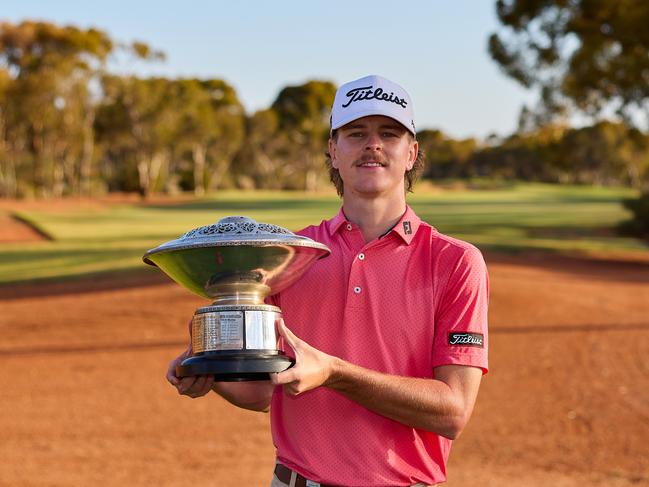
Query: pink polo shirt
[(402, 304)]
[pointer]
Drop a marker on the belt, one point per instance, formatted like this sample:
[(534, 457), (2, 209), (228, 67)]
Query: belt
[(283, 473)]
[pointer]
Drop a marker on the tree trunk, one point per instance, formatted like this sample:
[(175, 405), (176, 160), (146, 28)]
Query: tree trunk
[(199, 156), (143, 175), (311, 175), (148, 169), (311, 180), (8, 186), (85, 165), (38, 164), (58, 178)]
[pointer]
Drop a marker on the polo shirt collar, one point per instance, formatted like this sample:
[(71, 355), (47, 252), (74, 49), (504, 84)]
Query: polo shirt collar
[(406, 227), (337, 221)]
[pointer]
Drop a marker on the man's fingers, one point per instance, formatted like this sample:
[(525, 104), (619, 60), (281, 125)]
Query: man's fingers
[(288, 335), (171, 377), (285, 377), (186, 384), (171, 370), (196, 385), (199, 387), (207, 386)]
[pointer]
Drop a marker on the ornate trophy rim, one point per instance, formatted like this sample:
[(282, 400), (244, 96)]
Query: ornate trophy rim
[(233, 231)]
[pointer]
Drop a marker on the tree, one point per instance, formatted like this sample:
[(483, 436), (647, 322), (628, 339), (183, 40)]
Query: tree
[(580, 54), (445, 157), (303, 114), (47, 101), (8, 180), (211, 128), (606, 153), (48, 106), (136, 126), (260, 162), (146, 124)]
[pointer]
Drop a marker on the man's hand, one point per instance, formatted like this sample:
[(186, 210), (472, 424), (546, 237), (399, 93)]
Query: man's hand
[(312, 368), (192, 386)]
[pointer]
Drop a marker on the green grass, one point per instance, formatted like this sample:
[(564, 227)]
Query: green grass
[(521, 217)]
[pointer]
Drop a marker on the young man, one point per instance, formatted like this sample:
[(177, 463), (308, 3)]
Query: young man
[(389, 332)]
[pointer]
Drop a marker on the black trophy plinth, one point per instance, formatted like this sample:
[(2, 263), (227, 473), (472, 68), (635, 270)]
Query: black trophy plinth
[(234, 367)]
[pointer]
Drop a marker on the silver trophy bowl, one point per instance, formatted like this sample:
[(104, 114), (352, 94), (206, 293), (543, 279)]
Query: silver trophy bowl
[(236, 262)]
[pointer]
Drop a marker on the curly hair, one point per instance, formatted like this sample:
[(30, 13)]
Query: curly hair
[(411, 175)]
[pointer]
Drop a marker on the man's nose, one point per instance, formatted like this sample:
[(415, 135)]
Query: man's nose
[(374, 142)]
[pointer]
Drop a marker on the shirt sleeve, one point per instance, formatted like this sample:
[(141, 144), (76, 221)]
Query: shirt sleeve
[(461, 314)]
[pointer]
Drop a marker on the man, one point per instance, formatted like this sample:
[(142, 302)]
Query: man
[(389, 332)]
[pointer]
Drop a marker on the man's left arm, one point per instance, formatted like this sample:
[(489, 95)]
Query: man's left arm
[(442, 405)]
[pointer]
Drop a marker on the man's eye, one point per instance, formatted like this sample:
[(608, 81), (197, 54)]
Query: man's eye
[(389, 134), (356, 134)]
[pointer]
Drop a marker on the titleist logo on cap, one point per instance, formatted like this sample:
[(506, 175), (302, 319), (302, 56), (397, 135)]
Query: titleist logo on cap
[(466, 339), (367, 93), (372, 95)]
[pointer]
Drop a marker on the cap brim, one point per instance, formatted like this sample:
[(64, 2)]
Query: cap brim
[(368, 113)]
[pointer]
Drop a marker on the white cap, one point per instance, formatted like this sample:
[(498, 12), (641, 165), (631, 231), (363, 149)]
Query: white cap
[(372, 95)]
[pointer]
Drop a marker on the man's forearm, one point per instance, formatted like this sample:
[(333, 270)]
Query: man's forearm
[(255, 395), (442, 405), (427, 404)]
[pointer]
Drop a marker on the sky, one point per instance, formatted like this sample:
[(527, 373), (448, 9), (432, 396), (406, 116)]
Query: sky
[(435, 49)]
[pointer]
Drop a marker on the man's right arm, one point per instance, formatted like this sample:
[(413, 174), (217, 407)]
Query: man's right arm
[(254, 395)]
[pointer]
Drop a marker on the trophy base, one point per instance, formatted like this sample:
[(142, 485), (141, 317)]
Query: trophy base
[(234, 367)]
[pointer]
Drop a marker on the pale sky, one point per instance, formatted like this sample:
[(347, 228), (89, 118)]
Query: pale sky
[(436, 49)]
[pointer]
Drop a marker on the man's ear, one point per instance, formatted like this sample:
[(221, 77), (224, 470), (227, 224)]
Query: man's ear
[(412, 154), (332, 153)]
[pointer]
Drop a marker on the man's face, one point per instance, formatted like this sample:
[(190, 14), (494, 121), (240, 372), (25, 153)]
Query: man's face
[(372, 155)]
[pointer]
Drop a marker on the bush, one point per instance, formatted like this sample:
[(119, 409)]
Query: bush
[(638, 226)]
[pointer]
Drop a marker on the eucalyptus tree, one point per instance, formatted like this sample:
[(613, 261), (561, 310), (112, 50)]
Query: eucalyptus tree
[(605, 153), (261, 162), (303, 115), (48, 99), (136, 126), (8, 179), (445, 156), (211, 126), (587, 55)]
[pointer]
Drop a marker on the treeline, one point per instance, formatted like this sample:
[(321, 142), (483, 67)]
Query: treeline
[(606, 154), (70, 127)]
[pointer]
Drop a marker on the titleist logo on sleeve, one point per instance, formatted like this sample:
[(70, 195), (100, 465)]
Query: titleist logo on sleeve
[(466, 339), (367, 93)]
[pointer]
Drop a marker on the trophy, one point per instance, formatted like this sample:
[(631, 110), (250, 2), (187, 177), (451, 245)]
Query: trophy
[(237, 263)]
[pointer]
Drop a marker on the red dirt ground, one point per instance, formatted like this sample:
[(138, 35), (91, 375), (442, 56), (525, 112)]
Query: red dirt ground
[(85, 402), (12, 230)]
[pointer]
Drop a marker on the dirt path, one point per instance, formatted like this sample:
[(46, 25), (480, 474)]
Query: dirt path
[(566, 402), (13, 230)]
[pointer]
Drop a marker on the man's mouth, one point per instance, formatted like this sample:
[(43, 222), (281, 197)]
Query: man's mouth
[(371, 164)]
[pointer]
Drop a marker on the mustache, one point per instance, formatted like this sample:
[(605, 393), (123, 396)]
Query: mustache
[(374, 158)]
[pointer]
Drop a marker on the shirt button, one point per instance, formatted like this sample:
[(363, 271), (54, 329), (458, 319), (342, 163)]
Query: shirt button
[(349, 226), (361, 256), (357, 290)]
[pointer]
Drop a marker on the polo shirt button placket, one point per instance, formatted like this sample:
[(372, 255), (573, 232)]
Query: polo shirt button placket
[(357, 290)]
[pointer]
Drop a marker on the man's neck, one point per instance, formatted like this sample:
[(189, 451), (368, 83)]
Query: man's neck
[(374, 217)]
